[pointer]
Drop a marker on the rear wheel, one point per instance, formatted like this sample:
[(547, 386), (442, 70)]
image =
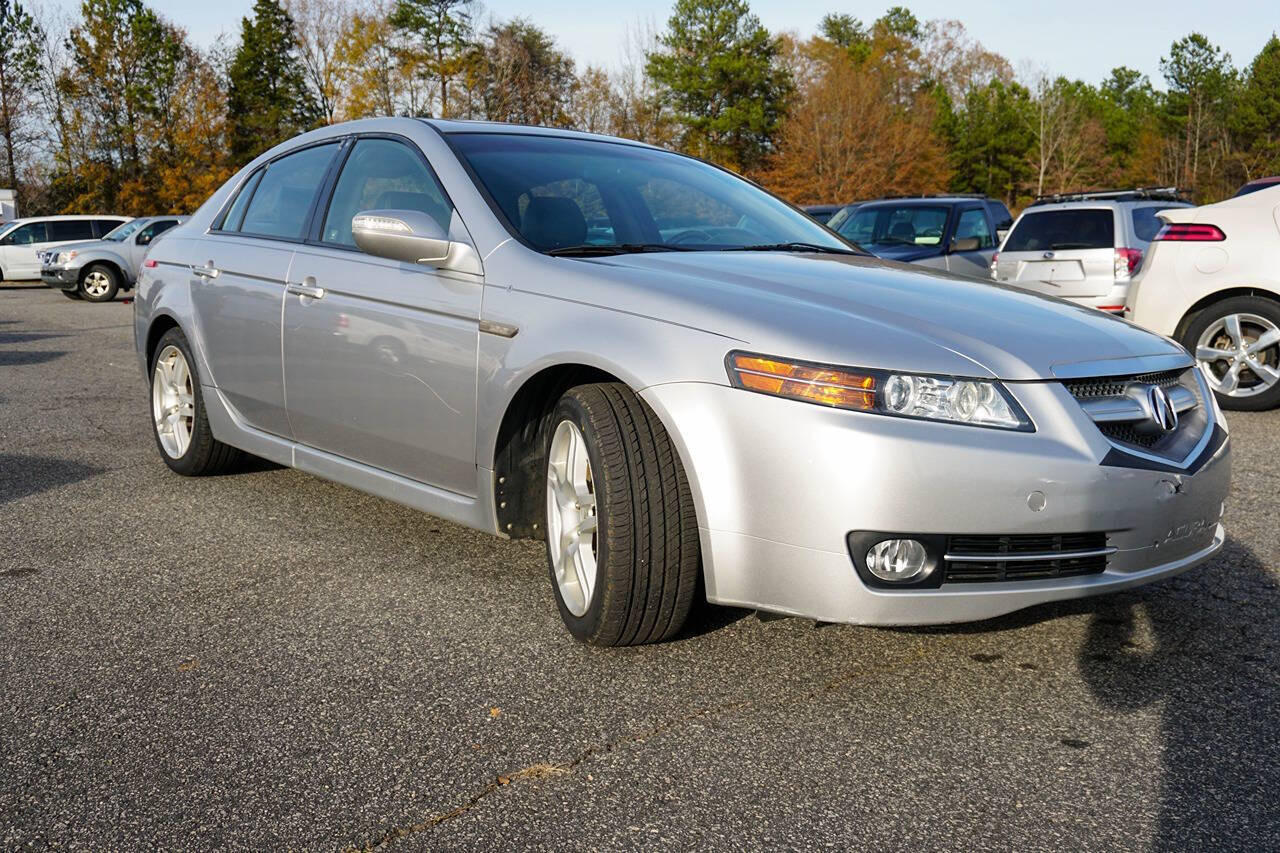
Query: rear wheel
[(1237, 342), (622, 536), (99, 283), (178, 418)]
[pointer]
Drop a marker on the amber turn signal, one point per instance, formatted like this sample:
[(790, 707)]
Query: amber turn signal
[(827, 386)]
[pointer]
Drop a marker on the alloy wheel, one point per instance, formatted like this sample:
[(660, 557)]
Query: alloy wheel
[(571, 517), (173, 405), (1240, 354), (97, 283)]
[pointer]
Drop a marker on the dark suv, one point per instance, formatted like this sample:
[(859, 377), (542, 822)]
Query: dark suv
[(957, 233)]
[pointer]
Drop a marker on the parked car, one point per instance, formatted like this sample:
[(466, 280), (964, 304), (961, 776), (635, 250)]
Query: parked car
[(746, 400), (953, 233), (1084, 247), (22, 240), (1258, 184), (840, 216), (822, 212), (1212, 281), (99, 269)]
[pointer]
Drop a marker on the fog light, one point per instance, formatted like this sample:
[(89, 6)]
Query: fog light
[(896, 559)]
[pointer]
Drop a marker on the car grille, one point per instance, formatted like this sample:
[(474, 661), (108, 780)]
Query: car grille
[(977, 559), (1116, 405), (1114, 386)]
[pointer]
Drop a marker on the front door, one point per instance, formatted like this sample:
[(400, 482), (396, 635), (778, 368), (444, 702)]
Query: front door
[(973, 223), (18, 259), (380, 355)]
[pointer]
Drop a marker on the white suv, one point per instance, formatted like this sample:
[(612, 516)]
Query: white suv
[(22, 240), (1084, 247)]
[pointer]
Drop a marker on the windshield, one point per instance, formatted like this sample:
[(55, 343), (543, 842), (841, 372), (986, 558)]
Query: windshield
[(120, 234), (570, 196), (7, 227), (895, 225)]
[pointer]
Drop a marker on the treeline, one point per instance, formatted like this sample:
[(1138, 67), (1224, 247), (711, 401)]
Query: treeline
[(117, 110)]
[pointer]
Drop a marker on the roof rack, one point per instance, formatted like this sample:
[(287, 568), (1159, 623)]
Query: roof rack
[(933, 195), (1136, 194)]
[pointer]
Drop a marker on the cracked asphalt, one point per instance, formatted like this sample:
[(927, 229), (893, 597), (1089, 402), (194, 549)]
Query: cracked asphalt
[(267, 660)]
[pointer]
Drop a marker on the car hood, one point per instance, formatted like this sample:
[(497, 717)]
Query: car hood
[(84, 246), (866, 312), (905, 253)]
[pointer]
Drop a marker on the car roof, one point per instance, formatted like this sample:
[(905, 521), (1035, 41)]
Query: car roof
[(926, 200), (63, 217), (453, 125)]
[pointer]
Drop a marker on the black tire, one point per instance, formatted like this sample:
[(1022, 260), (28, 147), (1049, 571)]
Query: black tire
[(1257, 305), (647, 551), (205, 455), (113, 283), (70, 294)]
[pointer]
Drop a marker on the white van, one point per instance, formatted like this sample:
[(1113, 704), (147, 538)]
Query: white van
[(22, 240)]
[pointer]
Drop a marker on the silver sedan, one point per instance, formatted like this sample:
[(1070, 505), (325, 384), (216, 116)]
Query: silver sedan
[(679, 382)]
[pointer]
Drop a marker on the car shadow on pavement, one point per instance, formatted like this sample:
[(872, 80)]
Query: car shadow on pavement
[(21, 476), (17, 358), (1205, 652)]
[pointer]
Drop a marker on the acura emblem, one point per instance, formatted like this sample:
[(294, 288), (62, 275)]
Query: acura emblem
[(1161, 408)]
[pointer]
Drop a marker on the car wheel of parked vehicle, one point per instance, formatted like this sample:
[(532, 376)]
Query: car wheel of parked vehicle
[(177, 412), (70, 294), (99, 283), (1237, 341), (622, 536)]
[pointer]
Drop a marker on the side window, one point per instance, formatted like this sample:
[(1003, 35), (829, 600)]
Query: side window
[(25, 235), (231, 222), (282, 198), (103, 227), (382, 174), (154, 230), (1146, 224), (973, 223), (70, 229)]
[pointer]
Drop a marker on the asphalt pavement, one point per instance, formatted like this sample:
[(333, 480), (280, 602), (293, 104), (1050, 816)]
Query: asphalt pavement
[(268, 660)]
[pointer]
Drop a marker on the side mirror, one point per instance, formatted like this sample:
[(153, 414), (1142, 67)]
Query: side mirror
[(142, 239), (965, 244), (401, 235)]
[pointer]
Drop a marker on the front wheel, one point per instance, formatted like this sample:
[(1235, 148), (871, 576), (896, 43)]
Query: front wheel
[(622, 535), (178, 418), (100, 283), (1237, 344)]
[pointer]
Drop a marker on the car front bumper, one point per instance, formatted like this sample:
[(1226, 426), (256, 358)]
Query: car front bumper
[(61, 278), (780, 484)]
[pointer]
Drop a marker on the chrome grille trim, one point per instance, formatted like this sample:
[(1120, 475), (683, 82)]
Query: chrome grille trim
[(1015, 557)]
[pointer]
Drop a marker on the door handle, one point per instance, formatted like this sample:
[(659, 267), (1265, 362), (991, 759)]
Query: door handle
[(206, 271), (307, 290)]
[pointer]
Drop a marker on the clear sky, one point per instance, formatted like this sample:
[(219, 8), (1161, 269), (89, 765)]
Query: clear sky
[(1079, 38)]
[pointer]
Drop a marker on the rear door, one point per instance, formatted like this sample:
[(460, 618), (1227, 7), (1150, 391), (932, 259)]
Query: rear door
[(380, 355), (1067, 252), (238, 274)]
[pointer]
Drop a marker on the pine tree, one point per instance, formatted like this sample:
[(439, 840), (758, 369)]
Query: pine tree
[(1255, 122), (720, 74), (268, 100)]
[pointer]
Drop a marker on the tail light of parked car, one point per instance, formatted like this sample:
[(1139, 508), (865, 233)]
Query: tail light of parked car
[(1127, 262), (995, 256), (1190, 232)]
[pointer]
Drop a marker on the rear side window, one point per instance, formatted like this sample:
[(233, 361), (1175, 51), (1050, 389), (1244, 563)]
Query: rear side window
[(382, 174), (1059, 230), (70, 229), (1000, 214), (1145, 222), (281, 201), (103, 227)]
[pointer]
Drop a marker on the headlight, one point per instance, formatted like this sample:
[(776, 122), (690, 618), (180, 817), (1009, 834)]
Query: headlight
[(65, 257), (977, 402)]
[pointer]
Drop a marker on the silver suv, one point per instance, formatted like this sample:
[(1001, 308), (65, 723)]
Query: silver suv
[(98, 269), (1084, 247)]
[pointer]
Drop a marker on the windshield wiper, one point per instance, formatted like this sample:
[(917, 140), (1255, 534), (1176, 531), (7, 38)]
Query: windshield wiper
[(794, 247), (614, 249)]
